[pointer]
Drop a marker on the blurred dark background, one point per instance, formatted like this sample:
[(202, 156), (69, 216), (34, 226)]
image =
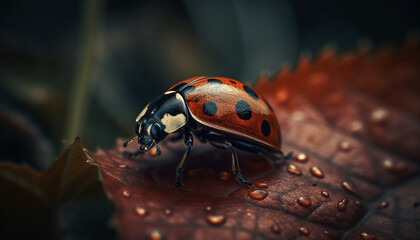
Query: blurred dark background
[(86, 68)]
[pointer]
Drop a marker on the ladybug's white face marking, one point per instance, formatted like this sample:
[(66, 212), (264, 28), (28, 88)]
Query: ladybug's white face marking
[(141, 114), (179, 97), (173, 123)]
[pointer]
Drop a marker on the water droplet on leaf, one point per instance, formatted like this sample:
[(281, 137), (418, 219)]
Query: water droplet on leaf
[(367, 236), (301, 157), (304, 230), (275, 229), (167, 212), (347, 186), (156, 235), (392, 167), (257, 194), (355, 126), (359, 204), (216, 219), (261, 184), (315, 171), (383, 205), (126, 193), (379, 115), (141, 211), (341, 206), (293, 169), (304, 201), (325, 194), (344, 146)]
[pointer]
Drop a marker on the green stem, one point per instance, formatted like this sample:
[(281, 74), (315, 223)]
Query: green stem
[(78, 98)]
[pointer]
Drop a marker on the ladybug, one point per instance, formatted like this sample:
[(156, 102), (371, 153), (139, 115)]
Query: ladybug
[(221, 111)]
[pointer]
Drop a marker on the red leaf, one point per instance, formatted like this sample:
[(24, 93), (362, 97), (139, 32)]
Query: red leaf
[(355, 121)]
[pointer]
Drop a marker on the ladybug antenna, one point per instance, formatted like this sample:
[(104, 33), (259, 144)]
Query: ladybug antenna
[(129, 141)]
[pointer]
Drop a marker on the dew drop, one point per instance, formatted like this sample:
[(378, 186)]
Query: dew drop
[(216, 219), (208, 208), (282, 95), (325, 194), (293, 169), (317, 172), (275, 229), (304, 230), (304, 201), (359, 204), (156, 235), (301, 157), (141, 212), (126, 193), (344, 146), (167, 212), (261, 184), (224, 176), (257, 194), (347, 186), (379, 115), (341, 206), (367, 236), (383, 205), (392, 167), (355, 126)]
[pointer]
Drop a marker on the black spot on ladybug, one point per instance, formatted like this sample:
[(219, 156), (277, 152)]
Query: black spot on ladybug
[(233, 82), (209, 108), (251, 92), (188, 90), (265, 128), (243, 110), (178, 86), (215, 81)]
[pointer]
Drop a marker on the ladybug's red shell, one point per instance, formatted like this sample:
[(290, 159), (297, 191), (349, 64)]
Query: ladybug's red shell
[(233, 108)]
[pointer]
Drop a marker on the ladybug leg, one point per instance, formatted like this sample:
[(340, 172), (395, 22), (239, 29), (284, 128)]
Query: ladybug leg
[(222, 143), (188, 139), (235, 168)]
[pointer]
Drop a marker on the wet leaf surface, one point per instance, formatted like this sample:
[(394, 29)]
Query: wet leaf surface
[(352, 122), (66, 201)]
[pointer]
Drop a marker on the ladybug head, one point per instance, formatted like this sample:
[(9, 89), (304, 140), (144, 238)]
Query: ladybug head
[(149, 133), (162, 116)]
